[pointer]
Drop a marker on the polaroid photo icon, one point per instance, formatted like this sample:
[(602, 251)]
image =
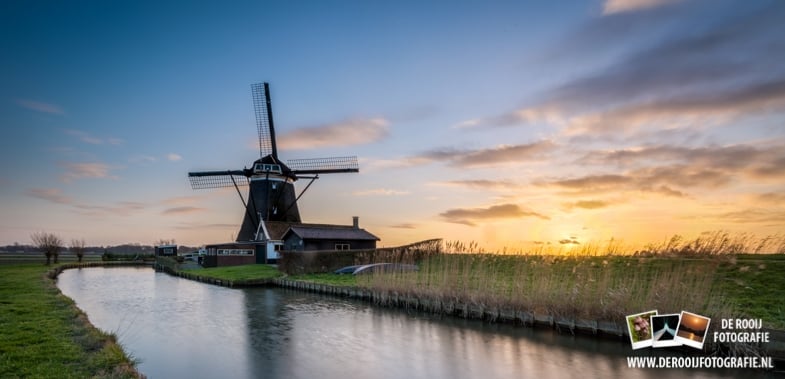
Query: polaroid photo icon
[(639, 326), (692, 329), (663, 329)]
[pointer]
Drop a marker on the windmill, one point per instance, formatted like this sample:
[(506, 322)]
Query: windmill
[(271, 194)]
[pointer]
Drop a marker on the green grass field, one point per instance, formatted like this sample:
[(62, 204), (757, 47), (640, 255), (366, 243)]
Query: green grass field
[(46, 336)]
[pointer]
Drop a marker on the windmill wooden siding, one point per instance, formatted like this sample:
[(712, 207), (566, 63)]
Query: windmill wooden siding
[(166, 250), (304, 237), (234, 254), (296, 237)]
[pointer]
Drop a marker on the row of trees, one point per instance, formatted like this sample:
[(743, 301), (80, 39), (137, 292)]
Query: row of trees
[(51, 244)]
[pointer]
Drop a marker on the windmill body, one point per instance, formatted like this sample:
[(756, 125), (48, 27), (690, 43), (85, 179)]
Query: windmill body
[(271, 197), (271, 194)]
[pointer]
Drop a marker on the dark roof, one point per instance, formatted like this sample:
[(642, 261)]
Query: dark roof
[(334, 232), (277, 229)]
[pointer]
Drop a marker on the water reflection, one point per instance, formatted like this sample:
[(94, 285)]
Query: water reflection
[(181, 328)]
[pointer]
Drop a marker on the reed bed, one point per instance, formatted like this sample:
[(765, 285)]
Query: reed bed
[(603, 282)]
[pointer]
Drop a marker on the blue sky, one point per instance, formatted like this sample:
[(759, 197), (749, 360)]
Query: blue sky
[(506, 123)]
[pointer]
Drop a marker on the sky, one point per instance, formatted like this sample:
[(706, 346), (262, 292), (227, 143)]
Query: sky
[(506, 123)]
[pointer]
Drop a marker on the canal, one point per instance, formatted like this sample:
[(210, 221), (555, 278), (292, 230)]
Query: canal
[(179, 328)]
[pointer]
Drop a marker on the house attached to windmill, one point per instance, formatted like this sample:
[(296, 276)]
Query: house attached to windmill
[(272, 222)]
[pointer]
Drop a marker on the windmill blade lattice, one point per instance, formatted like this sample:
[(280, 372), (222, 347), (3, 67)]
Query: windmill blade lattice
[(264, 119), (323, 165), (217, 179)]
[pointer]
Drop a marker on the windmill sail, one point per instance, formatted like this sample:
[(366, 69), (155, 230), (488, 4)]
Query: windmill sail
[(217, 179), (264, 120), (323, 165), (271, 192)]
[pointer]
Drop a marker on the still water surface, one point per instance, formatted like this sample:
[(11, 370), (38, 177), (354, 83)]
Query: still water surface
[(184, 329)]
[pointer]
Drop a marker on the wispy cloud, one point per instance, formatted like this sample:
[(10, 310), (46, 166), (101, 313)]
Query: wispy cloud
[(680, 76), (755, 216), (481, 184), (470, 216), (122, 208), (380, 192), (499, 155), (93, 140), (771, 198), (405, 225), (182, 210), (350, 132), (181, 200), (143, 159), (39, 106), (173, 157), (753, 162), (54, 195), (620, 6), (660, 180), (569, 241), (588, 204), (86, 170), (517, 117)]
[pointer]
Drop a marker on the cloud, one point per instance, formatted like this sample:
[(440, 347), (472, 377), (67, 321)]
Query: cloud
[(173, 157), (700, 163), (588, 204), (122, 208), (404, 226), (182, 210), (93, 140), (621, 6), (40, 106), (380, 192), (471, 215), (86, 170), (54, 195), (569, 241), (480, 184), (350, 132), (200, 226), (523, 116), (504, 154), (660, 180), (771, 198), (143, 159), (755, 216), (180, 200), (694, 65), (706, 109)]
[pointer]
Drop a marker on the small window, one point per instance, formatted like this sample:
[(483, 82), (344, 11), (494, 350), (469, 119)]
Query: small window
[(342, 246)]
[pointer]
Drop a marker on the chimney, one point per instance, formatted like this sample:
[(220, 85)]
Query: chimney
[(356, 222)]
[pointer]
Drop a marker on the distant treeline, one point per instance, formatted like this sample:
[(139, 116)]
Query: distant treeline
[(130, 248)]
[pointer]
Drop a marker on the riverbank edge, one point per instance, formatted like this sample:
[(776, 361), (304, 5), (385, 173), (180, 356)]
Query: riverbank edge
[(52, 275), (466, 310)]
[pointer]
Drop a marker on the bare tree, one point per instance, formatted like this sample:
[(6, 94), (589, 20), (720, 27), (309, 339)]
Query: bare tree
[(78, 247), (162, 242), (49, 243)]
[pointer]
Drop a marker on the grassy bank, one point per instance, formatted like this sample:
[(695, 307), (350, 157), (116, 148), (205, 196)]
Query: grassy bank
[(46, 336), (239, 273)]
